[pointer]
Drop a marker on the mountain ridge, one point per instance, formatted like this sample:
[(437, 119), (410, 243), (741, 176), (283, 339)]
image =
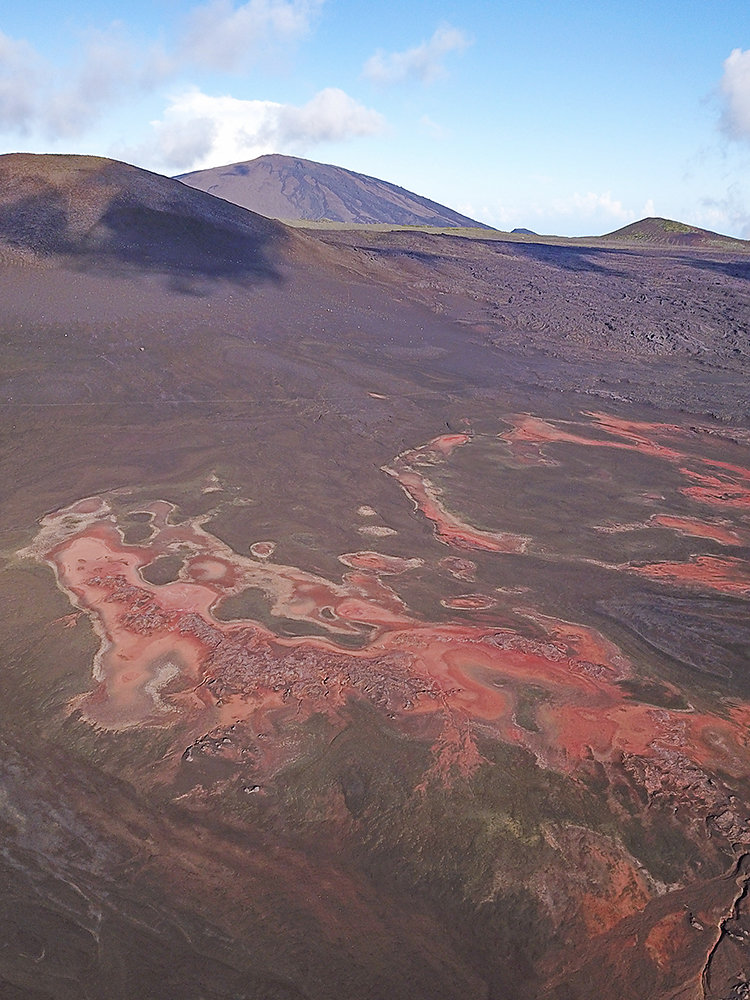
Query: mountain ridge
[(292, 188)]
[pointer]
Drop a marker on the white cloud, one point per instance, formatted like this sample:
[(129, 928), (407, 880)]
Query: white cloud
[(331, 115), (729, 214), (21, 74), (35, 96), (595, 205), (735, 88), (110, 67), (108, 71), (222, 36), (424, 62), (199, 131), (575, 215)]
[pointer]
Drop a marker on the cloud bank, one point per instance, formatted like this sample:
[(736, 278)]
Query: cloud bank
[(735, 90), (729, 212), (199, 131), (424, 62), (112, 68), (600, 205), (577, 214), (20, 73), (220, 36)]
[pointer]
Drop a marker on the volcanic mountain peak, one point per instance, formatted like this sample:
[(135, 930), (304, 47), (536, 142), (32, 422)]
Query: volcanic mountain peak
[(290, 188), (667, 231), (97, 209)]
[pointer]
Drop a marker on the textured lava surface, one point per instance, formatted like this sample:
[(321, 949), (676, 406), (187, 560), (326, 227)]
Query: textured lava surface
[(375, 607)]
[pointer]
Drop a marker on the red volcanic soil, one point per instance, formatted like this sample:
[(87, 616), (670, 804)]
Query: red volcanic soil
[(626, 435), (164, 652), (721, 489), (379, 563), (263, 550), (407, 469), (169, 661), (461, 569), (727, 489), (728, 576), (470, 602), (698, 529), (166, 661)]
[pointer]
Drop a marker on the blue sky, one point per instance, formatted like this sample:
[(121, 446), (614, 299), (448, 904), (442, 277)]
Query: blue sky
[(563, 117)]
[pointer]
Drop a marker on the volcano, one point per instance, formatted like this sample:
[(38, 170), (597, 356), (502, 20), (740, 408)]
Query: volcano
[(667, 232), (290, 188)]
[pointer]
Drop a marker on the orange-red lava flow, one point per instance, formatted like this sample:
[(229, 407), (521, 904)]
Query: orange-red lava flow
[(450, 529), (726, 575), (719, 489), (633, 436), (697, 528), (377, 562), (165, 656), (712, 482)]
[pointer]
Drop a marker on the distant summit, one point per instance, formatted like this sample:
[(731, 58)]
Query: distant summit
[(671, 233), (293, 189), (524, 232)]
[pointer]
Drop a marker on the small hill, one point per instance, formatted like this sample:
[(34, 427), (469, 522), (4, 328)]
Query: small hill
[(290, 188), (103, 212), (667, 232)]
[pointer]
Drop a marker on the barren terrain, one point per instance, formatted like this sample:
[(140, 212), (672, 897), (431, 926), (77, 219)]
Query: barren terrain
[(376, 606)]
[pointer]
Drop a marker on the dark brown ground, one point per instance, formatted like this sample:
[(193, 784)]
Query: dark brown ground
[(153, 339)]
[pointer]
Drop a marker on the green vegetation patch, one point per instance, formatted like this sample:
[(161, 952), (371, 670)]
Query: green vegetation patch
[(678, 227)]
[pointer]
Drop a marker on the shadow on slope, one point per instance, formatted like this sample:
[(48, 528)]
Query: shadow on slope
[(569, 258), (732, 268), (100, 213), (437, 248)]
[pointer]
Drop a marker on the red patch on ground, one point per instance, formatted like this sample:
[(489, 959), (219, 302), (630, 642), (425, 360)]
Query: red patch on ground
[(449, 528), (470, 602), (717, 490), (723, 574), (697, 529), (263, 550), (726, 486), (377, 562), (530, 430), (462, 569), (165, 655), (446, 443), (664, 940)]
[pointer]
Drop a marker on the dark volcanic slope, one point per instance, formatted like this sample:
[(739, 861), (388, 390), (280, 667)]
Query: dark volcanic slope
[(94, 209), (287, 187), (667, 232), (374, 617)]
